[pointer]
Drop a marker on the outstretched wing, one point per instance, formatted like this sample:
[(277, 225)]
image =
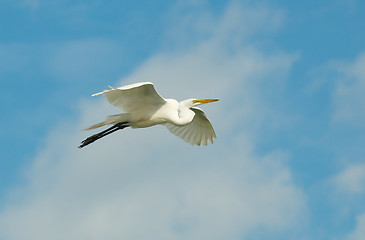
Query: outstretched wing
[(198, 131), (133, 97)]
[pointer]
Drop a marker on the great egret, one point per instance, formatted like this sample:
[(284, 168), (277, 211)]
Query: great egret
[(144, 107)]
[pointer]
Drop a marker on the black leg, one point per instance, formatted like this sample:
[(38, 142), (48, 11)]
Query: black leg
[(108, 131)]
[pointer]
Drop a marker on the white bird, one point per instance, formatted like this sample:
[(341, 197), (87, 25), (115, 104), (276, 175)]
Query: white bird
[(144, 107)]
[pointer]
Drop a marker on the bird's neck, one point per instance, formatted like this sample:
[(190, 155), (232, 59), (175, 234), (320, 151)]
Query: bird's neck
[(185, 116)]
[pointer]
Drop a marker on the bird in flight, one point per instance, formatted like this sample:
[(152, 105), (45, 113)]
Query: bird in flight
[(144, 107)]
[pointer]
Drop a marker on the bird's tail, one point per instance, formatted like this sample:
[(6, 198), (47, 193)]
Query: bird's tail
[(112, 119)]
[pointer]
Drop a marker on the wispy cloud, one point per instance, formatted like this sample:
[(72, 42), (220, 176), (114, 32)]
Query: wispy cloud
[(146, 182), (359, 230), (349, 94), (236, 24), (351, 181)]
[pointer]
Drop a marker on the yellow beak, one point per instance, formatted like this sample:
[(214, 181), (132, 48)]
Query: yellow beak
[(203, 101)]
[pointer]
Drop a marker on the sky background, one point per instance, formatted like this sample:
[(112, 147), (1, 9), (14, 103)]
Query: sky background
[(288, 161)]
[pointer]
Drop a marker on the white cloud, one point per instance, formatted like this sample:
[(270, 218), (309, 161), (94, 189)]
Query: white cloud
[(351, 180), (359, 231), (238, 23), (349, 95), (348, 188), (147, 183), (128, 190)]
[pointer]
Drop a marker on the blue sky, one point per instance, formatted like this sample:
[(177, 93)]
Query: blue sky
[(288, 162)]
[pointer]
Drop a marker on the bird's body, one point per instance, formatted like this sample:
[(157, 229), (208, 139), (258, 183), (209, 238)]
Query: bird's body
[(158, 114), (144, 107)]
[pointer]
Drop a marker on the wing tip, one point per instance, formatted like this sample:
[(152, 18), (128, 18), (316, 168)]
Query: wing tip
[(112, 88), (96, 94)]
